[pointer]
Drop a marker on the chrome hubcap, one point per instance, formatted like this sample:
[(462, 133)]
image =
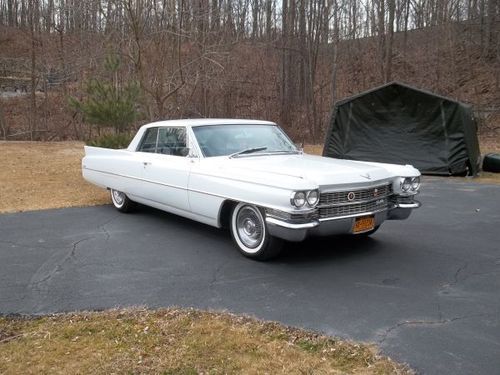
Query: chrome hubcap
[(118, 197), (249, 227)]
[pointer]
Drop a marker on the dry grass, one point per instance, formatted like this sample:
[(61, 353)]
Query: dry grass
[(313, 149), (490, 143), (176, 341), (40, 175)]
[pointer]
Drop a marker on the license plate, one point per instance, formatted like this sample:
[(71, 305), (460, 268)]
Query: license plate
[(363, 224)]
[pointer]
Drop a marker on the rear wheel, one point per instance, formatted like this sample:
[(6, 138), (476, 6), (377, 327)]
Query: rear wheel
[(121, 202), (250, 234)]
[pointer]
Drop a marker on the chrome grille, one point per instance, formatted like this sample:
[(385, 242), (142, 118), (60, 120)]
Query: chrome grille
[(355, 201), (341, 197), (353, 209)]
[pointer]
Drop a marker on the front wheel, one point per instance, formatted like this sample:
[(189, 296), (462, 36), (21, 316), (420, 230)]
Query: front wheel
[(121, 202), (249, 232)]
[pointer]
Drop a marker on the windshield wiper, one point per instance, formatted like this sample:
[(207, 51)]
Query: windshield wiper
[(247, 151), (284, 152)]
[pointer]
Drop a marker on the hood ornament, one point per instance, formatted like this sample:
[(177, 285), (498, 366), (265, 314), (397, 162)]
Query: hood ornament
[(367, 176)]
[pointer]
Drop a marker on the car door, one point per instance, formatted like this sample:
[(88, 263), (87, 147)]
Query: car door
[(166, 168)]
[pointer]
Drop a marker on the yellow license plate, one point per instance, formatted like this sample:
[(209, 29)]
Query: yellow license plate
[(363, 224)]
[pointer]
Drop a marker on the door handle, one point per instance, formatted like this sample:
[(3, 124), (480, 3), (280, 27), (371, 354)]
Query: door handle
[(146, 163)]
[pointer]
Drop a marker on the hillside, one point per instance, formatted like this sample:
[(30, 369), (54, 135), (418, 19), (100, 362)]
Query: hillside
[(242, 78)]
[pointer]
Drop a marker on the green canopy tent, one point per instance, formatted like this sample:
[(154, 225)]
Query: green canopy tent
[(397, 123)]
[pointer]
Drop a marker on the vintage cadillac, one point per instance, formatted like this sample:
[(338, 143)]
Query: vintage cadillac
[(248, 176)]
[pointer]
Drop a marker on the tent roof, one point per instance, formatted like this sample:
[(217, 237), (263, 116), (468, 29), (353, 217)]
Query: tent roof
[(397, 83), (398, 123)]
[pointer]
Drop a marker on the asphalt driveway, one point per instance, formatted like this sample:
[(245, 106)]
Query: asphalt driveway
[(427, 289)]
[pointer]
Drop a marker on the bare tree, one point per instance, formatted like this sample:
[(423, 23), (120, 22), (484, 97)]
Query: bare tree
[(3, 123), (286, 59), (391, 4)]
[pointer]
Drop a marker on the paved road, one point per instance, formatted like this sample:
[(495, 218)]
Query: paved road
[(427, 290)]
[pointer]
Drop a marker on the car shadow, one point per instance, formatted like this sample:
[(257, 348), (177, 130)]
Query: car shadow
[(176, 220), (311, 250), (331, 248)]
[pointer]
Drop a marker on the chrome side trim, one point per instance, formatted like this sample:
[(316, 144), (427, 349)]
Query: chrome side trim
[(138, 179), (261, 204), (271, 220)]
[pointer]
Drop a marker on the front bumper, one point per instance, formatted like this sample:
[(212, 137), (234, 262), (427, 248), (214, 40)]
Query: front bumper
[(338, 225)]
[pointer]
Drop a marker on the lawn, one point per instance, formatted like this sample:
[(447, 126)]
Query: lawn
[(41, 175), (176, 341)]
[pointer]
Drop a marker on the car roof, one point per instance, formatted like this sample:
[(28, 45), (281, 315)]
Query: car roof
[(207, 121)]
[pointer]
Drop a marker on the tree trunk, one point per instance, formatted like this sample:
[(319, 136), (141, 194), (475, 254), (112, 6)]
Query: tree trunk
[(33, 117), (49, 16), (491, 29), (388, 62), (269, 19), (3, 123), (10, 13), (284, 110), (255, 19), (381, 35)]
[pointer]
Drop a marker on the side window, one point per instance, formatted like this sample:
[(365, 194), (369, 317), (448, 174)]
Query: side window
[(148, 143), (172, 141)]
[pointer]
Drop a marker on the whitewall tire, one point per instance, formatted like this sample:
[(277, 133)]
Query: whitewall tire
[(121, 202), (250, 234)]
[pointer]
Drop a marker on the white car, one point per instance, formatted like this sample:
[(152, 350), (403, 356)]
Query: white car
[(247, 175)]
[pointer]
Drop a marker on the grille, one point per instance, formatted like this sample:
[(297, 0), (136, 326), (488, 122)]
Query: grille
[(340, 197), (353, 209)]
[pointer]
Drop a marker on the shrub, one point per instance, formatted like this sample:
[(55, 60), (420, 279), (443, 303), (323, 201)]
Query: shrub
[(115, 141), (109, 102)]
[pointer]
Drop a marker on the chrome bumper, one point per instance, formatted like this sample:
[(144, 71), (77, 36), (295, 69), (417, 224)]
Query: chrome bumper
[(337, 225)]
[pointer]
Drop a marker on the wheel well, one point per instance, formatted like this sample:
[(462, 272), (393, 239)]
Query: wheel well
[(225, 213)]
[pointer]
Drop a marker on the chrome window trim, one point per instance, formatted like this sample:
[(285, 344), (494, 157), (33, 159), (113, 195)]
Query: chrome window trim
[(139, 144)]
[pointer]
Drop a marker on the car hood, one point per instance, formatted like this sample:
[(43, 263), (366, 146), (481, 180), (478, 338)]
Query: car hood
[(312, 170)]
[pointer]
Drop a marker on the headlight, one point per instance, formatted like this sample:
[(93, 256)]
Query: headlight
[(298, 199), (415, 183), (406, 184), (312, 198)]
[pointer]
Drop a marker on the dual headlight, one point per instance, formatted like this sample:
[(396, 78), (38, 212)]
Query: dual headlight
[(301, 198), (410, 184)]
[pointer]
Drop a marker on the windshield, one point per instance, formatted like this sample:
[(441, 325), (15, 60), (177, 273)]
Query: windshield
[(242, 140)]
